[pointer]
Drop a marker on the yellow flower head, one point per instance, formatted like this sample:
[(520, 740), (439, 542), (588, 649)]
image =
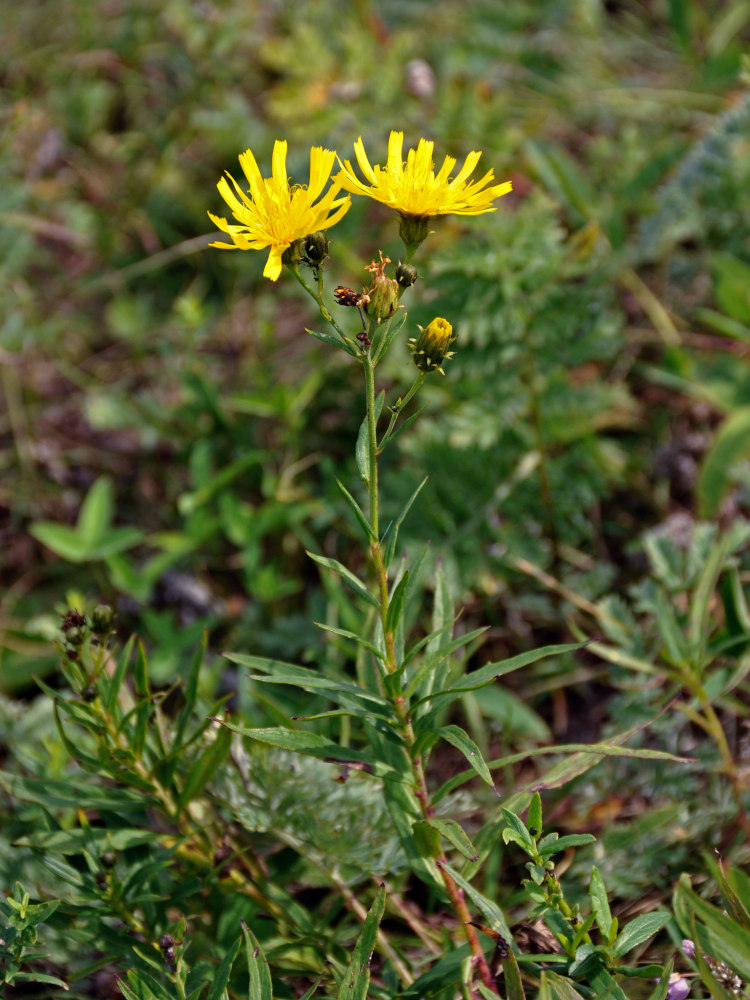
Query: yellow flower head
[(276, 214), (414, 189)]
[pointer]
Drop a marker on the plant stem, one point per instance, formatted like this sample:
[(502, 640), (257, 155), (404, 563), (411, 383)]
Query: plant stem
[(455, 893)]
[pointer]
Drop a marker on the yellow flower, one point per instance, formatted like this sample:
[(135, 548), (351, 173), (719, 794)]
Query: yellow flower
[(277, 214), (414, 189)]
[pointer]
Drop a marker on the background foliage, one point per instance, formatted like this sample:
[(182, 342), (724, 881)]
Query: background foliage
[(170, 438)]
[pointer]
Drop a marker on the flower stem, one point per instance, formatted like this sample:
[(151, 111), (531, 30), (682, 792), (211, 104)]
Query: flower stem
[(455, 893)]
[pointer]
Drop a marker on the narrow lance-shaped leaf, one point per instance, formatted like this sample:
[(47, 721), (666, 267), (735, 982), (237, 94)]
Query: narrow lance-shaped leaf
[(356, 981), (259, 987), (354, 582), (224, 971), (463, 742)]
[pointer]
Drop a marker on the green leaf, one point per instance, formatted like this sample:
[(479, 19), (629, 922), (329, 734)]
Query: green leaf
[(358, 513), (489, 910), (356, 981), (96, 513), (310, 745), (640, 930), (362, 450), (554, 987), (385, 333), (720, 936), (224, 971), (732, 286), (534, 818), (396, 604), (455, 834), (563, 843), (390, 536), (517, 832), (354, 637), (600, 902), (730, 446), (342, 692), (61, 539), (463, 742), (660, 992), (259, 987), (205, 767), (354, 582), (333, 339), (491, 671)]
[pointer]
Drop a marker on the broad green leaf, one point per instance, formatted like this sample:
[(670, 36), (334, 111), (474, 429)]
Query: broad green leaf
[(259, 987), (62, 540), (354, 582), (96, 512), (534, 818), (563, 843), (356, 981), (640, 930), (600, 902)]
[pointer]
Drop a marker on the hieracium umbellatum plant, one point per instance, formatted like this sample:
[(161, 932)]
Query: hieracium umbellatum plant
[(398, 707)]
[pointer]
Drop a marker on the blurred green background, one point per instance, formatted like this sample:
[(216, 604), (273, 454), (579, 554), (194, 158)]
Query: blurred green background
[(602, 312)]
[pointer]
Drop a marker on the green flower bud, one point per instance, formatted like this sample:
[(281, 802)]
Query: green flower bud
[(406, 274), (102, 619), (382, 295), (75, 636), (431, 348), (315, 247)]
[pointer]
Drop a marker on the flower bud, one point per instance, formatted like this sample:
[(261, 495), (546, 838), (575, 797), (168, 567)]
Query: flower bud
[(382, 293), (406, 274), (431, 348), (102, 619), (315, 247)]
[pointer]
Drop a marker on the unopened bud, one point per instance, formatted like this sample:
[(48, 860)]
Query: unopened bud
[(430, 349), (75, 636), (406, 274), (382, 294), (102, 619), (315, 247)]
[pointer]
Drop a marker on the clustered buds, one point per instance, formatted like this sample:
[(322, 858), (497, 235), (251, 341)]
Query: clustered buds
[(430, 349)]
